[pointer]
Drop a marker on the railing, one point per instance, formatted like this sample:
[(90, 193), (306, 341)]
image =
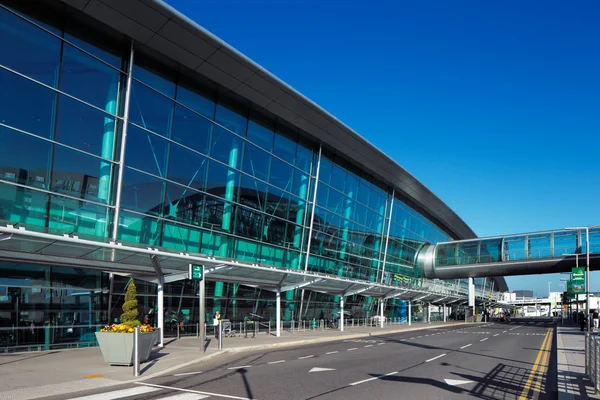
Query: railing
[(47, 337), (592, 359)]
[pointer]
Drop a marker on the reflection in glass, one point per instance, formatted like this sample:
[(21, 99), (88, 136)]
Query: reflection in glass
[(146, 151), (197, 102), (18, 204), (231, 120), (32, 170), (69, 215), (187, 167), (142, 193), (150, 110), (191, 130)]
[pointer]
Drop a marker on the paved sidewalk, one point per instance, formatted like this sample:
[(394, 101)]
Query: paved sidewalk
[(571, 380), (35, 375)]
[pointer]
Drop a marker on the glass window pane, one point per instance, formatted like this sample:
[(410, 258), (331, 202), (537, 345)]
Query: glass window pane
[(226, 147), (304, 159), (154, 75), (222, 181), (338, 178), (181, 238), (285, 148), (325, 170), (260, 135), (231, 120), (248, 223), (142, 193), (197, 102), (256, 162), (85, 128), (150, 110), (31, 170), (139, 229), (191, 130), (183, 204), (187, 167), (69, 215), (76, 174), (28, 49), (300, 184), (29, 107), (89, 79), (146, 151), (253, 193), (18, 204), (281, 174), (98, 45)]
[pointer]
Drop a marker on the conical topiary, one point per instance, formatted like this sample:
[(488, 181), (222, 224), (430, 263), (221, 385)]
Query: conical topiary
[(130, 306)]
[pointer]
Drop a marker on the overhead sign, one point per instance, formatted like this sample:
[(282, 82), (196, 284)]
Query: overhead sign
[(578, 280), (196, 272)]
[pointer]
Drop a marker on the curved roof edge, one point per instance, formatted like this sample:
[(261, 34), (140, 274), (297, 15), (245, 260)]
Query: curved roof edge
[(163, 29)]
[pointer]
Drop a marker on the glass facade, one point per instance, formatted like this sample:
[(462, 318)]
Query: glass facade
[(202, 173)]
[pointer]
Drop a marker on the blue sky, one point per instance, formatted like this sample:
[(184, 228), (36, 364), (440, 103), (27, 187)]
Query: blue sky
[(494, 106)]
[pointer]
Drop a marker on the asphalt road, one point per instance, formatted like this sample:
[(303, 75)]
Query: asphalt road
[(485, 361)]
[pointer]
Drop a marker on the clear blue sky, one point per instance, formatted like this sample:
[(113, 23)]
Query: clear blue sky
[(495, 106)]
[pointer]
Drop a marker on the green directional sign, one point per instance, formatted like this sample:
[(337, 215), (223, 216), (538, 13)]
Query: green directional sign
[(578, 280), (569, 287), (196, 272)]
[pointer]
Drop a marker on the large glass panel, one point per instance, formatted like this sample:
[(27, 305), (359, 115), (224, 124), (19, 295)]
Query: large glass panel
[(151, 110), (304, 159), (139, 229), (181, 237), (222, 181), (154, 75), (85, 128), (89, 79), (256, 162), (69, 215), (300, 184), (31, 170), (142, 193), (197, 102), (146, 151), (191, 130), (285, 148), (76, 174), (248, 223), (18, 204), (338, 178), (260, 135), (187, 167), (281, 174), (28, 49), (231, 120), (100, 46), (253, 193), (226, 147), (183, 204), (26, 105)]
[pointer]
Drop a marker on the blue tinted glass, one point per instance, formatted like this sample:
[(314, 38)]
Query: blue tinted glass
[(146, 151), (29, 106), (77, 174), (100, 50), (260, 135), (191, 130), (89, 79), (196, 102), (352, 185), (154, 79), (222, 181), (304, 159), (183, 204), (150, 110), (253, 193), (363, 193), (248, 223), (281, 174), (31, 170), (256, 162), (187, 167), (284, 148), (335, 202), (277, 202), (69, 215), (322, 195), (325, 170), (28, 49), (84, 127), (338, 178), (18, 204), (226, 147), (231, 120), (139, 229), (300, 184), (142, 193)]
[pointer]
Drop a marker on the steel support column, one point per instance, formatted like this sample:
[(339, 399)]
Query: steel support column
[(387, 237), (342, 314), (472, 295), (381, 305), (409, 312), (278, 313)]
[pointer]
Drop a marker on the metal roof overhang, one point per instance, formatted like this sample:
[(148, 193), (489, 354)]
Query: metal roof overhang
[(18, 244), (164, 32)]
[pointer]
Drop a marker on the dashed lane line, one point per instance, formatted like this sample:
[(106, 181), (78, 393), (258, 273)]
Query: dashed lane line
[(484, 339), (372, 379), (276, 362), (302, 358), (435, 358), (117, 394), (354, 348), (379, 344), (496, 334), (369, 345), (192, 391), (241, 366), (332, 352), (465, 346), (188, 373)]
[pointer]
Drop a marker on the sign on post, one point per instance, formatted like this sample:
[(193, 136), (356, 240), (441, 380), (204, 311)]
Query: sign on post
[(196, 272), (578, 280)]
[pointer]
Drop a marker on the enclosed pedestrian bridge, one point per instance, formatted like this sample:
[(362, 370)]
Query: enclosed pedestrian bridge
[(523, 254)]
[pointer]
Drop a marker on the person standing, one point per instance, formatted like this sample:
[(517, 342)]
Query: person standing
[(216, 320), (595, 318)]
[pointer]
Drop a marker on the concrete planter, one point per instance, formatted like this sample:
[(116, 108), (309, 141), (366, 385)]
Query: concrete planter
[(117, 348)]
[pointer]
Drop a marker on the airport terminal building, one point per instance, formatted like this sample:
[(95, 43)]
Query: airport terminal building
[(124, 122)]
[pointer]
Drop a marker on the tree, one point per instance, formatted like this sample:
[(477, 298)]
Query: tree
[(130, 306)]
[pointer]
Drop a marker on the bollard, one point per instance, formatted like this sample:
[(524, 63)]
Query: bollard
[(220, 336), (198, 330), (269, 328), (586, 350), (136, 352), (178, 331), (292, 325)]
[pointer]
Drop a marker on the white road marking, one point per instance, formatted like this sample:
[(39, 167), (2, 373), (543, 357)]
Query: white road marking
[(185, 396), (241, 366), (188, 373), (189, 391), (354, 348), (465, 346), (484, 339), (419, 337), (412, 338), (379, 344), (332, 352), (496, 334), (276, 362), (117, 394), (302, 358), (435, 358), (319, 369), (369, 345), (454, 382), (372, 379)]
